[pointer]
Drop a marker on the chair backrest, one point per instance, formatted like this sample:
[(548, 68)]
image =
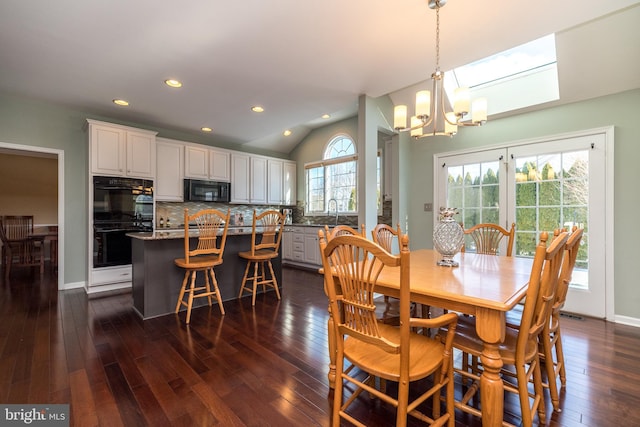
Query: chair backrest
[(352, 265), (487, 238), (384, 235), (209, 223), (271, 224), (543, 284), (17, 227), (343, 230), (569, 262)]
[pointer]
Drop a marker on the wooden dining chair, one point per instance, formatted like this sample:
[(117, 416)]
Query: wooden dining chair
[(520, 346), (20, 247), (487, 237), (385, 236), (351, 267), (265, 244), (551, 338), (212, 228)]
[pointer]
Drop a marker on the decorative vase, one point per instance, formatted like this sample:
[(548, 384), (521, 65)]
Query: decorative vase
[(448, 237)]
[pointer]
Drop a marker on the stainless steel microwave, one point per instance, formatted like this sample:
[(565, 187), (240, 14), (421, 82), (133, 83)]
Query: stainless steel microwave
[(196, 190)]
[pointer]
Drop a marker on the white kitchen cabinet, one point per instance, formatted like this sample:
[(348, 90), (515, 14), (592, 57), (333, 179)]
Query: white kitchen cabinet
[(289, 184), (275, 178), (219, 165), (170, 170), (240, 182), (196, 162), (287, 244), (121, 151), (311, 247), (258, 179), (202, 162)]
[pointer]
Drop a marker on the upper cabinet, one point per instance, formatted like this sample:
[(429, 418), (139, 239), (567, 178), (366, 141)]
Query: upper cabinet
[(121, 150), (207, 163), (289, 183), (170, 170), (258, 178), (240, 178)]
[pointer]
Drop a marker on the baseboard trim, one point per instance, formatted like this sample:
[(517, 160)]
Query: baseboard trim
[(626, 320), (73, 285)]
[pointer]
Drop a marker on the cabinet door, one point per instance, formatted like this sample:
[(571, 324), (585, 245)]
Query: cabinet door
[(239, 178), (219, 165), (258, 177), (311, 249), (196, 162), (169, 185), (275, 177), (108, 154), (141, 155), (287, 245), (289, 185)]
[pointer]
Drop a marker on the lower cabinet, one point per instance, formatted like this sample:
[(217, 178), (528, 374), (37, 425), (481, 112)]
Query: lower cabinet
[(300, 247)]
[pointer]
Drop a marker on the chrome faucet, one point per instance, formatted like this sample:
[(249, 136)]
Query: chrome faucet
[(335, 202)]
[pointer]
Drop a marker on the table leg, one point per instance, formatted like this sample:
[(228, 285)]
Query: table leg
[(490, 326)]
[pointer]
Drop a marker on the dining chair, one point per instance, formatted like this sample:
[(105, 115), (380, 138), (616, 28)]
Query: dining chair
[(20, 247), (551, 338), (520, 346), (212, 226), (487, 237), (265, 245), (351, 267)]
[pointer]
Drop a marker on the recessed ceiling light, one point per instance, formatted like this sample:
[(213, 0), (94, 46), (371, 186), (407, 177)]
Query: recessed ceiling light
[(325, 116), (173, 83), (257, 109), (121, 102), (287, 132), (206, 129)]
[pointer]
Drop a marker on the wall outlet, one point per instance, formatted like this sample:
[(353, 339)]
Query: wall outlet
[(428, 207)]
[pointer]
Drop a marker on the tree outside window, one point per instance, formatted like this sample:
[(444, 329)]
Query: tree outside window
[(335, 177)]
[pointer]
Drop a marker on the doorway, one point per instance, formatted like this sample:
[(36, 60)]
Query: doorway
[(23, 155)]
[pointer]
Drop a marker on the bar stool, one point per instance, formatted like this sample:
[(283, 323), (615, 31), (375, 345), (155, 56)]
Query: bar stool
[(206, 255), (270, 224)]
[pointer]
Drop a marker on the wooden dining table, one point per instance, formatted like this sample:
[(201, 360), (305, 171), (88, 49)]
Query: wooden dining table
[(485, 286)]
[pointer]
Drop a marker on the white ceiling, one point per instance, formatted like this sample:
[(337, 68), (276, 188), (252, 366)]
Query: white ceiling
[(297, 58)]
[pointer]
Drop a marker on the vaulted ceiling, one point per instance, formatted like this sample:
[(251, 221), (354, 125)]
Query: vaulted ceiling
[(297, 58)]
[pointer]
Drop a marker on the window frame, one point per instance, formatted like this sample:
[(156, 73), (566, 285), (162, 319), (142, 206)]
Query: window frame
[(325, 163)]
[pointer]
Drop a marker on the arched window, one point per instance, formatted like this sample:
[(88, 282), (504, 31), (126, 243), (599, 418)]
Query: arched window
[(334, 178)]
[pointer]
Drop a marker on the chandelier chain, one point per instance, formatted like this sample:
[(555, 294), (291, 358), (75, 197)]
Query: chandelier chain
[(438, 38)]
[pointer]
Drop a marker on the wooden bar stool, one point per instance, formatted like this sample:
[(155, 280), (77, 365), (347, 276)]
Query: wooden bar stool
[(270, 224), (206, 255)]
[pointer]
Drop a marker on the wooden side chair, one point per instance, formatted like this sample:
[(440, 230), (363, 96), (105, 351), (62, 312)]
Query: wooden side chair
[(550, 338), (520, 346), (385, 236), (487, 238), (212, 227), (351, 266), (20, 247), (265, 244)]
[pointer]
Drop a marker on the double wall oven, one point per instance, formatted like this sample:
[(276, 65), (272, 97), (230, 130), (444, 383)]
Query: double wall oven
[(120, 206)]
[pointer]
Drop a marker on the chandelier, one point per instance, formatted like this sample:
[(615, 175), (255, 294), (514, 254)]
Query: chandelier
[(431, 117)]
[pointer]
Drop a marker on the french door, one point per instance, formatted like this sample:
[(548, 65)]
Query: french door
[(539, 186)]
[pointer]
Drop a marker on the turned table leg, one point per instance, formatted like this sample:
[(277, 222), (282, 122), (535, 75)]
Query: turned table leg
[(490, 327)]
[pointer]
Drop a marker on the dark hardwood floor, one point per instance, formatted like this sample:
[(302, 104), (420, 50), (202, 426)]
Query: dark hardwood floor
[(252, 367)]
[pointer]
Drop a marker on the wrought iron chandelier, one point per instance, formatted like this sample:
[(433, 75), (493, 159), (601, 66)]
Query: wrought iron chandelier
[(431, 118)]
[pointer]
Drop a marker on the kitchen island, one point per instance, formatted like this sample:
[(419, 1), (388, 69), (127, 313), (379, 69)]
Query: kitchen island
[(156, 279)]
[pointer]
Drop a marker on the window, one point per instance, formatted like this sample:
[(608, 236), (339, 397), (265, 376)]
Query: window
[(333, 178)]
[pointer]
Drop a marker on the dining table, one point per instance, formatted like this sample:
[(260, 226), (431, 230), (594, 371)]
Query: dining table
[(484, 286)]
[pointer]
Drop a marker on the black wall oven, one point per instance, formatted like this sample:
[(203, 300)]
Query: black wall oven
[(120, 206)]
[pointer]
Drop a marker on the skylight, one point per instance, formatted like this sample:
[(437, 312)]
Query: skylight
[(516, 78)]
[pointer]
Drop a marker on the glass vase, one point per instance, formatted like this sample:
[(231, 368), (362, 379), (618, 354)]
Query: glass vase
[(448, 237)]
